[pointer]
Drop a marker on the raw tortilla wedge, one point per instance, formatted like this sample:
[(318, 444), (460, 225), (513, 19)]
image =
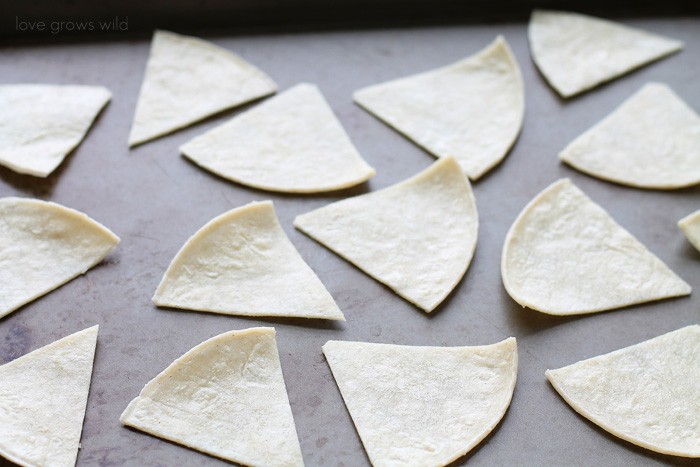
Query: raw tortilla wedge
[(417, 236), (43, 396), (577, 52), (646, 394), (423, 406), (291, 143), (472, 110), (225, 397), (43, 245), (690, 225), (242, 263), (565, 255), (40, 124), (188, 79)]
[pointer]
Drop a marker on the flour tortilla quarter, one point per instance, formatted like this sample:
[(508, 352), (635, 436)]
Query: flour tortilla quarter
[(225, 397), (565, 255), (472, 110), (43, 396), (417, 236), (577, 52), (40, 124), (188, 79), (43, 245), (291, 143), (646, 394), (690, 225), (423, 406)]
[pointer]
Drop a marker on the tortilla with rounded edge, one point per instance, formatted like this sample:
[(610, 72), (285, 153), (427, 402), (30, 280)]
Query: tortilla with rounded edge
[(43, 397), (40, 124), (690, 225), (188, 79), (43, 245), (577, 52), (472, 110), (565, 255), (417, 237), (423, 406), (651, 141), (226, 397), (291, 143), (242, 263), (646, 394)]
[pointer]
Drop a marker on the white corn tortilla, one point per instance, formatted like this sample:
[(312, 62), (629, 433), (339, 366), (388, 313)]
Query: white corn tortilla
[(472, 110), (40, 124), (43, 396), (291, 143), (188, 79), (690, 225), (577, 52), (225, 397), (565, 255), (43, 245), (242, 263), (423, 406), (417, 237), (646, 394)]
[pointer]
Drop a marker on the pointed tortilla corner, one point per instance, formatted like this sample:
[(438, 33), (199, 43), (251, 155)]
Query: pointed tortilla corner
[(565, 255), (417, 237), (43, 396), (423, 406), (690, 225), (226, 397), (188, 79)]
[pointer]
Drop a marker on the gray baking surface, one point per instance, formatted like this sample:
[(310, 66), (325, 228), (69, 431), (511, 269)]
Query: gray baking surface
[(154, 199)]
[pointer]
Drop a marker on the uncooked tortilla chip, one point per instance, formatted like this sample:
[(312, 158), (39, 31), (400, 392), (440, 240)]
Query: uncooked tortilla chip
[(690, 225), (43, 396), (242, 263), (423, 406), (225, 397), (417, 236), (188, 79), (646, 394), (577, 52), (41, 123), (291, 143), (471, 110), (565, 255), (43, 245)]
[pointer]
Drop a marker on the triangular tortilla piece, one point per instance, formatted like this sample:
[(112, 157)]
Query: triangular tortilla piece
[(188, 79), (225, 397), (690, 225), (472, 110), (646, 394), (417, 237), (43, 397), (423, 406), (242, 263), (577, 52), (651, 141), (291, 143), (40, 124), (565, 255), (43, 245)]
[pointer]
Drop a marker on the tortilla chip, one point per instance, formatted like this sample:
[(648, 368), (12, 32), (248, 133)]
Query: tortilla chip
[(690, 225)]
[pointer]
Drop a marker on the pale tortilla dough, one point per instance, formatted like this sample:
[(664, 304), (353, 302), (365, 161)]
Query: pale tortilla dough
[(646, 394), (472, 110), (291, 143), (565, 255), (423, 406), (651, 141), (225, 397), (690, 225), (43, 245), (417, 236), (188, 79), (242, 263), (577, 52), (43, 396), (40, 124)]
